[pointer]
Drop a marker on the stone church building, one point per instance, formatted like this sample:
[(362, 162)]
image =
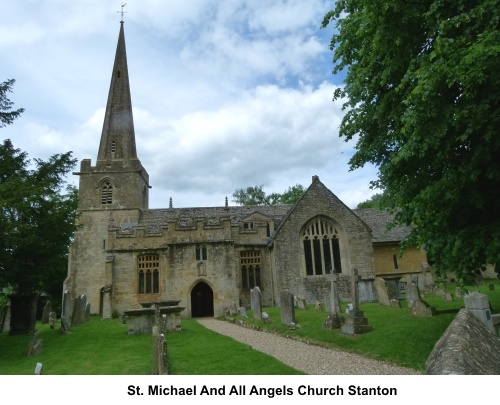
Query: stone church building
[(209, 258)]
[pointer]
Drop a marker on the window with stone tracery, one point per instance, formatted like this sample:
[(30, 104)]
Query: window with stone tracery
[(250, 269), (107, 193), (321, 246), (148, 267)]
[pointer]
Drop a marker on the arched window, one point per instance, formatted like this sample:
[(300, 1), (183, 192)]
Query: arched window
[(321, 248), (148, 267), (250, 269), (107, 193)]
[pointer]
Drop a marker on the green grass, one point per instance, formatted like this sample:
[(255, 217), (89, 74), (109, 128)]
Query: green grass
[(105, 348)]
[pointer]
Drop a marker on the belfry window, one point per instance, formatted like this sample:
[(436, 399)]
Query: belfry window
[(148, 267), (113, 147), (321, 248), (250, 269), (107, 193), (201, 252)]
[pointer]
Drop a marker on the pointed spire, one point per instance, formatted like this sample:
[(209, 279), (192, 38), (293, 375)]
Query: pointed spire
[(118, 136)]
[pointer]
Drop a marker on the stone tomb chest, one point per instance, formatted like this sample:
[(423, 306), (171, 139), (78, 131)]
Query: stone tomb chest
[(141, 321)]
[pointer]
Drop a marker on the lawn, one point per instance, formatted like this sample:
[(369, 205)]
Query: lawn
[(104, 347)]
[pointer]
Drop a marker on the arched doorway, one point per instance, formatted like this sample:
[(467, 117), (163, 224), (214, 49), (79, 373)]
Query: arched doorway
[(202, 300)]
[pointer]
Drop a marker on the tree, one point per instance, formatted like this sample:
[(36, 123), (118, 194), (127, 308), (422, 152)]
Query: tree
[(257, 196), (422, 99), (7, 117), (375, 201)]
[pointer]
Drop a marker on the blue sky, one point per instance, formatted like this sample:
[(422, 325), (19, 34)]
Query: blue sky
[(225, 94)]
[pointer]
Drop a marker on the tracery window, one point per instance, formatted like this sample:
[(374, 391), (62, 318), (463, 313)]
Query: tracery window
[(148, 267), (107, 193), (201, 252), (250, 269), (321, 248)]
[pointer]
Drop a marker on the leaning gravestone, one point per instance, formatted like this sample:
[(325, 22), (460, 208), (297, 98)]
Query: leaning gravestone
[(467, 347), (382, 292), (421, 309), (47, 309), (301, 303), (35, 344), (256, 303), (38, 368), (412, 294), (287, 307)]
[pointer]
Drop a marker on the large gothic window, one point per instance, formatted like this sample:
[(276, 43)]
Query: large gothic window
[(321, 247), (107, 193), (250, 269), (148, 267)]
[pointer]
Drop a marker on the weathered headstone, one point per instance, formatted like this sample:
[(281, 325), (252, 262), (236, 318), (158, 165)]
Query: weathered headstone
[(64, 325), (256, 303), (382, 292), (421, 309), (318, 307), (266, 318), (38, 368), (35, 344), (412, 294), (87, 312), (466, 348), (448, 297), (333, 321), (107, 307), (65, 306), (301, 303), (243, 312), (355, 323), (395, 303), (52, 320), (162, 356), (479, 305), (287, 307), (47, 309), (459, 293)]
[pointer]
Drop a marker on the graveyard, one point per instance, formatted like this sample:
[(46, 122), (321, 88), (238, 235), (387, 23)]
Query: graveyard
[(106, 348)]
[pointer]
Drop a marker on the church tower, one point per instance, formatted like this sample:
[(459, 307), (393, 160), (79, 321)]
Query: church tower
[(114, 191)]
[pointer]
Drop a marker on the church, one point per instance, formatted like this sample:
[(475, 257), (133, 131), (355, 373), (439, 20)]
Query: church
[(125, 254)]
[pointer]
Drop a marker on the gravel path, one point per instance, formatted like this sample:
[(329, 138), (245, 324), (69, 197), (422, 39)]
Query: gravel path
[(308, 358)]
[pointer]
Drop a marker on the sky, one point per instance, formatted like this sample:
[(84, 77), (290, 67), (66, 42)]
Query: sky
[(225, 94)]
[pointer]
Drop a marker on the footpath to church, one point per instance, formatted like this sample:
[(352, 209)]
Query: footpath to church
[(308, 358)]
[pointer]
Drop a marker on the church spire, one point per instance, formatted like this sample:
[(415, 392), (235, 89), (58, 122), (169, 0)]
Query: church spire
[(118, 137)]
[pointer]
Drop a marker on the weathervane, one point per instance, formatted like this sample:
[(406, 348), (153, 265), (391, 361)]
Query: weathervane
[(122, 12)]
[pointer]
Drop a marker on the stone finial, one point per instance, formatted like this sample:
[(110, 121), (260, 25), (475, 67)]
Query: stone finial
[(170, 205), (226, 203)]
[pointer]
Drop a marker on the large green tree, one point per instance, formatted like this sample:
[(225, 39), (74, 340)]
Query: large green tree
[(7, 115), (422, 101), (37, 219), (255, 195)]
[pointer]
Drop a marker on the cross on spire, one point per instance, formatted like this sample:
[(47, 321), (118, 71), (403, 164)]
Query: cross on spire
[(122, 12)]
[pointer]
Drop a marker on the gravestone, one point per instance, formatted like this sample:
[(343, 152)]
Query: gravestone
[(459, 293), (466, 348), (87, 312), (65, 306), (243, 312), (301, 303), (318, 307), (162, 356), (448, 297), (412, 294), (395, 303), (38, 368), (256, 303), (356, 323), (64, 325), (35, 344), (334, 320), (479, 305), (382, 292), (47, 309), (266, 318), (52, 320), (287, 307), (107, 308), (421, 309)]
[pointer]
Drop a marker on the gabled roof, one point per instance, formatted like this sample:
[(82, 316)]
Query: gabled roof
[(378, 221)]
